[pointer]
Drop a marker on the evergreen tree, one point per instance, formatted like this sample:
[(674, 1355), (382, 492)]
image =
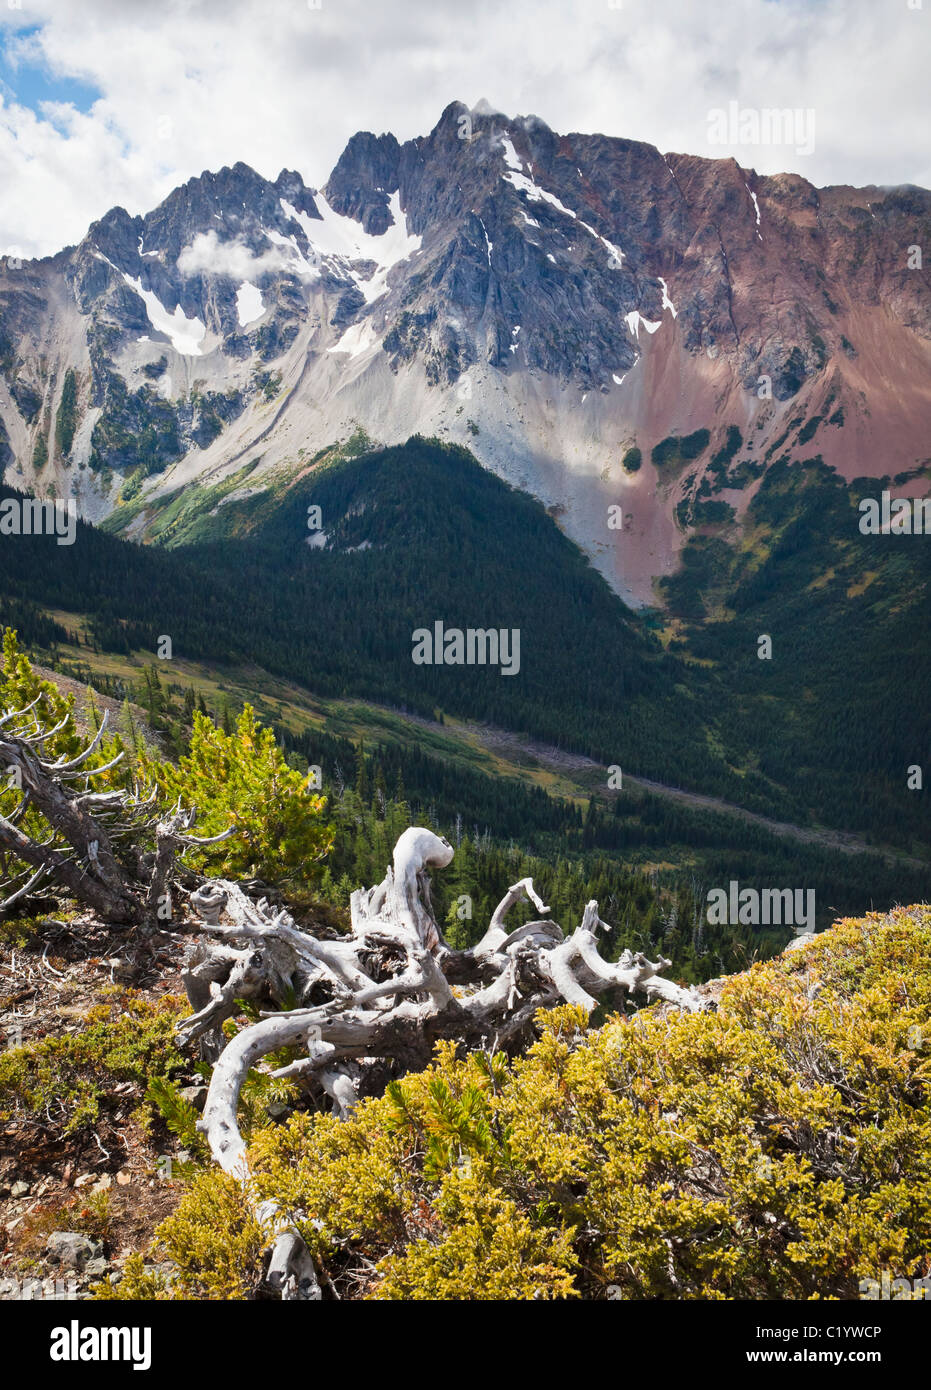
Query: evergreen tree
[(240, 779)]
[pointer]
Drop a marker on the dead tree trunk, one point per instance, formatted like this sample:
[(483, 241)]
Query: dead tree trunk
[(92, 847), (374, 1004)]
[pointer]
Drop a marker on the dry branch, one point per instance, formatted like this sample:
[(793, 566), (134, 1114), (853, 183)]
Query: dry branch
[(92, 851)]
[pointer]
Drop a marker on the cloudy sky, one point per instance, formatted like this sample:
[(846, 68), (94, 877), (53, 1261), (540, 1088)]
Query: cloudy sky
[(117, 101)]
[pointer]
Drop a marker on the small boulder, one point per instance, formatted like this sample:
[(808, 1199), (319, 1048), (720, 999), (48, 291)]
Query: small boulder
[(194, 1095), (72, 1250), (798, 942)]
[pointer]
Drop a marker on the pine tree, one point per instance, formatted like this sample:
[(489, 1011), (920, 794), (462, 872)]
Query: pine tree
[(240, 778), (134, 740), (362, 781)]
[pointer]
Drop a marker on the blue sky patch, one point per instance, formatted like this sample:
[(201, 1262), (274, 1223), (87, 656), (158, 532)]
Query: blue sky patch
[(30, 83)]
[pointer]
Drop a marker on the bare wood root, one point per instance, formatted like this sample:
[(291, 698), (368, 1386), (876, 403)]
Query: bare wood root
[(380, 999)]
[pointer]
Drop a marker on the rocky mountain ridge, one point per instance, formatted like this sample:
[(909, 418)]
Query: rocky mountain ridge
[(602, 324)]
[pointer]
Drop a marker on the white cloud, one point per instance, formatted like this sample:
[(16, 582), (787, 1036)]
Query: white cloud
[(232, 258), (194, 84)]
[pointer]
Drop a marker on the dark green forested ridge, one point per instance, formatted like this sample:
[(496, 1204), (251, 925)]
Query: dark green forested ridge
[(820, 729), (843, 709), (441, 536), (649, 861)]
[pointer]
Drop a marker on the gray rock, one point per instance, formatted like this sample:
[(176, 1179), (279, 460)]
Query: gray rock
[(19, 1189), (194, 1095), (97, 1268), (72, 1249)]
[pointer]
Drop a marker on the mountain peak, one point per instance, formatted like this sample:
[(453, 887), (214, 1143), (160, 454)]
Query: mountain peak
[(365, 176), (483, 107), (557, 302)]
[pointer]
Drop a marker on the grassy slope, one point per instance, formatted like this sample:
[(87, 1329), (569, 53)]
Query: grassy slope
[(671, 833)]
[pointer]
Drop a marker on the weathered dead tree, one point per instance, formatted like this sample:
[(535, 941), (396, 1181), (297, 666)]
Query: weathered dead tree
[(92, 847), (374, 1004)]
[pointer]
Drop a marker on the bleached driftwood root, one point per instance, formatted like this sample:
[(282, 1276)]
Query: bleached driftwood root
[(375, 1003)]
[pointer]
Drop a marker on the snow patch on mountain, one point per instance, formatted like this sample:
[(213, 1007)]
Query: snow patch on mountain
[(615, 252), (634, 319), (343, 239), (519, 180), (358, 338), (487, 241), (186, 334), (511, 157), (296, 262), (249, 305), (534, 192), (667, 302)]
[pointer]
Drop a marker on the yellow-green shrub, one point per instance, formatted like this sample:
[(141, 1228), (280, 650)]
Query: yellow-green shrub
[(75, 1074), (779, 1147), (215, 1242)]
